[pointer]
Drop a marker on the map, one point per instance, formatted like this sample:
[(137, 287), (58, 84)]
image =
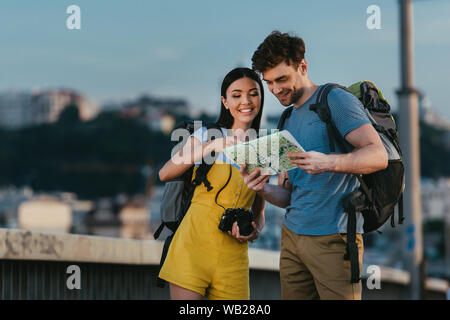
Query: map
[(267, 152)]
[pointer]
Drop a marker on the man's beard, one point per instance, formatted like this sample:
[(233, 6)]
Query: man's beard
[(297, 95), (294, 98)]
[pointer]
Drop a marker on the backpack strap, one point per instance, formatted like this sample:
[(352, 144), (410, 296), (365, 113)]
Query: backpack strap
[(352, 247), (322, 109), (401, 217), (203, 169), (286, 113), (161, 283), (200, 176), (159, 230)]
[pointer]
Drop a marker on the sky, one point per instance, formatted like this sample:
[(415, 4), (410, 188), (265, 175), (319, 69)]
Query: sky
[(183, 49)]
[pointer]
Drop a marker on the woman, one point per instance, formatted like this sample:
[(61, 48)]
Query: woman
[(203, 261)]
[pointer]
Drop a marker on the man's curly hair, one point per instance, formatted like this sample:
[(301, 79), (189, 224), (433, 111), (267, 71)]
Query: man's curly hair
[(276, 48)]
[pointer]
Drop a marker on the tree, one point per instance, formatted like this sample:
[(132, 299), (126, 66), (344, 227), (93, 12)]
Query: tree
[(70, 115)]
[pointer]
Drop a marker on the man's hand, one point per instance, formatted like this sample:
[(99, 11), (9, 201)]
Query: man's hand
[(254, 181), (242, 239), (313, 162)]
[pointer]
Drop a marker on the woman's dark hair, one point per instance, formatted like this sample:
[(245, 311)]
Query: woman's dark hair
[(225, 118), (276, 48)]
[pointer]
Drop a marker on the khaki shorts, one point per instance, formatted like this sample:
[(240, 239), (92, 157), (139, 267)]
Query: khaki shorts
[(313, 267)]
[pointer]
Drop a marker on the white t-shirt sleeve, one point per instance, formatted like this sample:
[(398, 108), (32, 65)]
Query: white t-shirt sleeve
[(199, 134)]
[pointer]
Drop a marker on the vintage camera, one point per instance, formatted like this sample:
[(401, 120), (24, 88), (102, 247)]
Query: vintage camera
[(243, 217)]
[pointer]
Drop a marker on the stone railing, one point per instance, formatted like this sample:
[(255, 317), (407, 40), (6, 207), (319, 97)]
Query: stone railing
[(38, 265)]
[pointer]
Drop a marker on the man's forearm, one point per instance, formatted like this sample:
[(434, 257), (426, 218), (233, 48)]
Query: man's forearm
[(276, 195), (363, 161)]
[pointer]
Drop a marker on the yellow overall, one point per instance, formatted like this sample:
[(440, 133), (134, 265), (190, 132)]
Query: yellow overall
[(201, 257)]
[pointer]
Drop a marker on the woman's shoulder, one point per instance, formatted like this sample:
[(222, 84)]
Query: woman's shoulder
[(202, 133)]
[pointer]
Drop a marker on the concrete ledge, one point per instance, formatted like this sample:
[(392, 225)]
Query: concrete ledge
[(18, 244), (264, 259), (33, 245)]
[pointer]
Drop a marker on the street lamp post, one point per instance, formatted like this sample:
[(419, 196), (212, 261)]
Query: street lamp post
[(409, 139)]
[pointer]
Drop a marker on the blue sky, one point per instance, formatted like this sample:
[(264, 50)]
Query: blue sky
[(185, 48)]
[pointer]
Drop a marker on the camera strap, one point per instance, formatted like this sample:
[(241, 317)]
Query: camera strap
[(217, 195)]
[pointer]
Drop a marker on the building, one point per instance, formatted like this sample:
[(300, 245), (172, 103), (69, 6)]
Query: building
[(45, 213), (24, 109), (15, 109), (47, 105), (158, 113), (103, 219), (135, 219), (436, 215), (429, 116), (435, 199)]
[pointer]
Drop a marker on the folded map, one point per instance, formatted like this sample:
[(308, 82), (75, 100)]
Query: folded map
[(267, 152)]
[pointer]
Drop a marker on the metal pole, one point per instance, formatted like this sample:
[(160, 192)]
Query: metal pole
[(409, 139), (447, 238)]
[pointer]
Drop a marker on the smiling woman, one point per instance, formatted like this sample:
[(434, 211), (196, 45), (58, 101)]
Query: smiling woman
[(206, 257)]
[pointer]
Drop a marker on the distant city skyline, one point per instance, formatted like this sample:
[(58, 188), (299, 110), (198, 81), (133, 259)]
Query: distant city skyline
[(19, 109), (184, 49)]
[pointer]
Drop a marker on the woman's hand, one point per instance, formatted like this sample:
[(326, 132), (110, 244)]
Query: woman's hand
[(218, 145), (242, 239)]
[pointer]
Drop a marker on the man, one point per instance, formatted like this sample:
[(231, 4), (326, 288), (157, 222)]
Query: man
[(313, 233)]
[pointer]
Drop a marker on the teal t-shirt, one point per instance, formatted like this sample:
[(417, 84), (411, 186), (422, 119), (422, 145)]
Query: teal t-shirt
[(315, 207)]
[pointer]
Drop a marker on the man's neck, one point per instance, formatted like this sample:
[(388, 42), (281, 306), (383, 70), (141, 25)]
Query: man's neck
[(309, 90)]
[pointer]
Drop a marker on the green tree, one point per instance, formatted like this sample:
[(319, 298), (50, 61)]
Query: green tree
[(70, 115)]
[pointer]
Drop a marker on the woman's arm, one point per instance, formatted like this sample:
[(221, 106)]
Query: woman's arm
[(192, 152)]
